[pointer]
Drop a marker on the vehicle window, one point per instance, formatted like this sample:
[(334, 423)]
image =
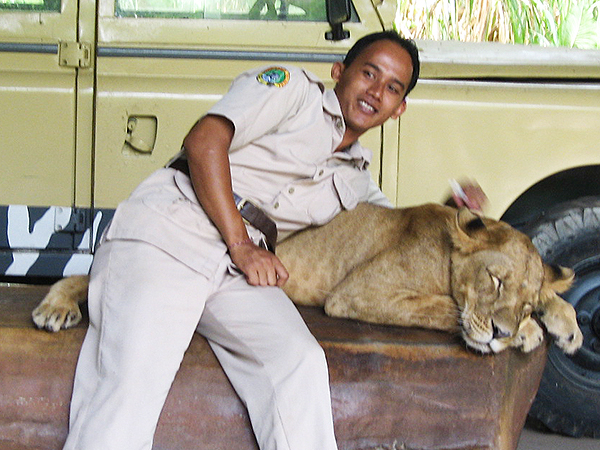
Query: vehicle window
[(30, 5), (561, 23), (294, 10)]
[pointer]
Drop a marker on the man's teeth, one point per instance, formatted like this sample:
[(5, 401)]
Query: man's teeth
[(366, 106)]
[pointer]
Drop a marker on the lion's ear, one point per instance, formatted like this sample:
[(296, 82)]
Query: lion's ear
[(557, 278), (465, 223)]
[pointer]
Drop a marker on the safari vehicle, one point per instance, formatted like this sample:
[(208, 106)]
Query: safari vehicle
[(96, 94)]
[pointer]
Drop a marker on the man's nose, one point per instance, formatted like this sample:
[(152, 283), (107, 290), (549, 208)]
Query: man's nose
[(376, 89)]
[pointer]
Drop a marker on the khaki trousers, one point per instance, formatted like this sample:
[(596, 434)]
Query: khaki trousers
[(144, 308)]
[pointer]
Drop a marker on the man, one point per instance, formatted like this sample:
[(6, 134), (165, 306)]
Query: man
[(178, 256)]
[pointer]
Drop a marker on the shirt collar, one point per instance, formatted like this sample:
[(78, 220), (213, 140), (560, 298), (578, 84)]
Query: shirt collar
[(331, 104), (360, 155)]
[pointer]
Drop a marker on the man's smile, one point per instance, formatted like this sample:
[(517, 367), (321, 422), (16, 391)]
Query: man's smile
[(367, 107)]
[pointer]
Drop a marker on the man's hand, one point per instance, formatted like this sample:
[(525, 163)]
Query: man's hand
[(207, 145), (261, 267), (468, 194)]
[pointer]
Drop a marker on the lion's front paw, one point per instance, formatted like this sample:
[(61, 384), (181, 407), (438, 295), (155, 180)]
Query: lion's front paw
[(560, 319), (569, 337), (529, 336)]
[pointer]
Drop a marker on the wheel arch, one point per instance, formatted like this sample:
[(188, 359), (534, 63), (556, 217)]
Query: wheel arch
[(564, 186)]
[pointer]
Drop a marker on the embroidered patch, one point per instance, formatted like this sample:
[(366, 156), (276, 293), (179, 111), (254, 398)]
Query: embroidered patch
[(274, 76)]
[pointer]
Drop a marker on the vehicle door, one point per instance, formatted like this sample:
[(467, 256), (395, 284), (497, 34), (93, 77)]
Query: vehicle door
[(45, 79), (161, 65)]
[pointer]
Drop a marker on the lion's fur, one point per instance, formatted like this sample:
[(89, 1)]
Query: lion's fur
[(429, 266)]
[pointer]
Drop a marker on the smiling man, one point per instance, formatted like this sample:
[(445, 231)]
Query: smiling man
[(372, 85), (191, 250)]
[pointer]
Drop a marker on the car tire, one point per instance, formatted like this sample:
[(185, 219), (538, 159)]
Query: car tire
[(568, 399)]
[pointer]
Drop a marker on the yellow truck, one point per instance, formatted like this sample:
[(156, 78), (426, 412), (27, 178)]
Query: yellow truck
[(96, 94)]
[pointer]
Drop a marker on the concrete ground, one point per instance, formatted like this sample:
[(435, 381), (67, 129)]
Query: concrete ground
[(532, 439)]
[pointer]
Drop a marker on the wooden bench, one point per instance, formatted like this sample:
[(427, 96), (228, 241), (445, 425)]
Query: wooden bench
[(392, 388)]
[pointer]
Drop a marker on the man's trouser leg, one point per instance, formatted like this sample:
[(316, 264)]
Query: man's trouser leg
[(275, 364), (144, 307)]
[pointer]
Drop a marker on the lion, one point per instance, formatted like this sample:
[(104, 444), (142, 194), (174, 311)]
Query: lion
[(428, 266)]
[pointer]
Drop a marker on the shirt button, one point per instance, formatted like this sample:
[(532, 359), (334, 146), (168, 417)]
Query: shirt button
[(291, 190), (276, 205), (339, 124), (321, 172)]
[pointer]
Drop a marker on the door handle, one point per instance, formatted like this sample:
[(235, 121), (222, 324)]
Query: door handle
[(141, 133), (138, 144)]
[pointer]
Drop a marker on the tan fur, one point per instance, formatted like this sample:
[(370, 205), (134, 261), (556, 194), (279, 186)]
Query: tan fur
[(60, 307), (429, 266)]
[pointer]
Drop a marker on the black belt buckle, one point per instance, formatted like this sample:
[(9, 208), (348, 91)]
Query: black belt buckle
[(242, 203)]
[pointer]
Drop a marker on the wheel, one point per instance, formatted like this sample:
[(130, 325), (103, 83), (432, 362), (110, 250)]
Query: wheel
[(568, 400)]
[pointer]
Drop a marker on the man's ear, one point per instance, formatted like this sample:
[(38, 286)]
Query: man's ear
[(400, 110), (336, 70)]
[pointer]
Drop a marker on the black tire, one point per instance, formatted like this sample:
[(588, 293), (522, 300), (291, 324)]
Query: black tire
[(568, 400)]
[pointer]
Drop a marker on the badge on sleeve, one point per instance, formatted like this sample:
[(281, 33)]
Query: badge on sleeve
[(274, 76)]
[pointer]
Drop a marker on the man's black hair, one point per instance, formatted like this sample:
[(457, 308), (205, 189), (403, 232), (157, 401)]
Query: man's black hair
[(407, 44)]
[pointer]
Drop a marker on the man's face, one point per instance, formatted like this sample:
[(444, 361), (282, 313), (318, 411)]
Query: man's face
[(373, 87)]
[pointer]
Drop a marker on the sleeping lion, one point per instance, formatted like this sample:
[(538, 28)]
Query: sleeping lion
[(428, 266)]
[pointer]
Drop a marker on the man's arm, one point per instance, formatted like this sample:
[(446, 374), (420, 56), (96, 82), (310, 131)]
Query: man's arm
[(207, 145)]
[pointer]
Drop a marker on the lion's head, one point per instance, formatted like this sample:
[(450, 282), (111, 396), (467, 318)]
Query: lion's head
[(498, 281)]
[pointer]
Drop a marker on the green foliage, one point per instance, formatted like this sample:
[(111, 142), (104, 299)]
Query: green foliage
[(570, 23)]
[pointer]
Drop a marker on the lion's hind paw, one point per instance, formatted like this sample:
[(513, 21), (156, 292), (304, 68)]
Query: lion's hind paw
[(60, 308), (53, 318)]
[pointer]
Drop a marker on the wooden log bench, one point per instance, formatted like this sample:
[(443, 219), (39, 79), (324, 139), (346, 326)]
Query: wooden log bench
[(392, 388)]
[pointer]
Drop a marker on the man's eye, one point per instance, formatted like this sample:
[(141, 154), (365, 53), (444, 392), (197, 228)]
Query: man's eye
[(393, 89)]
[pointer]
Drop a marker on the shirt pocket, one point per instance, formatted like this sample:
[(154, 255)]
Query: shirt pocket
[(324, 204), (346, 189), (335, 193)]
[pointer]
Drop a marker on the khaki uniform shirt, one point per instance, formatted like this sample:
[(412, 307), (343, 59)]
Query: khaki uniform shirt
[(283, 152), (283, 158)]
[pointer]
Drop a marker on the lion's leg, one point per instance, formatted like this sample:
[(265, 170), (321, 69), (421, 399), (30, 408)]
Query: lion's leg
[(373, 294), (60, 307), (381, 290), (560, 319), (406, 308)]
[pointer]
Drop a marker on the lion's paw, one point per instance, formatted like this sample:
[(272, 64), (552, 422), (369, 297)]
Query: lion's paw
[(560, 319), (569, 340), (52, 318), (529, 336), (60, 308)]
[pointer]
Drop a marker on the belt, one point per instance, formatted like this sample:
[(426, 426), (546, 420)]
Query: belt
[(249, 211)]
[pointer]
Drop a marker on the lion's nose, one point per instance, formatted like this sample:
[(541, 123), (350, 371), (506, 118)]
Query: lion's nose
[(499, 333)]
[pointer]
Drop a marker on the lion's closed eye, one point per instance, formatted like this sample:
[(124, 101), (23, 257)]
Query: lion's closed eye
[(497, 283)]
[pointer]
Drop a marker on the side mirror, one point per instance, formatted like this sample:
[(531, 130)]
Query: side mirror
[(338, 12)]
